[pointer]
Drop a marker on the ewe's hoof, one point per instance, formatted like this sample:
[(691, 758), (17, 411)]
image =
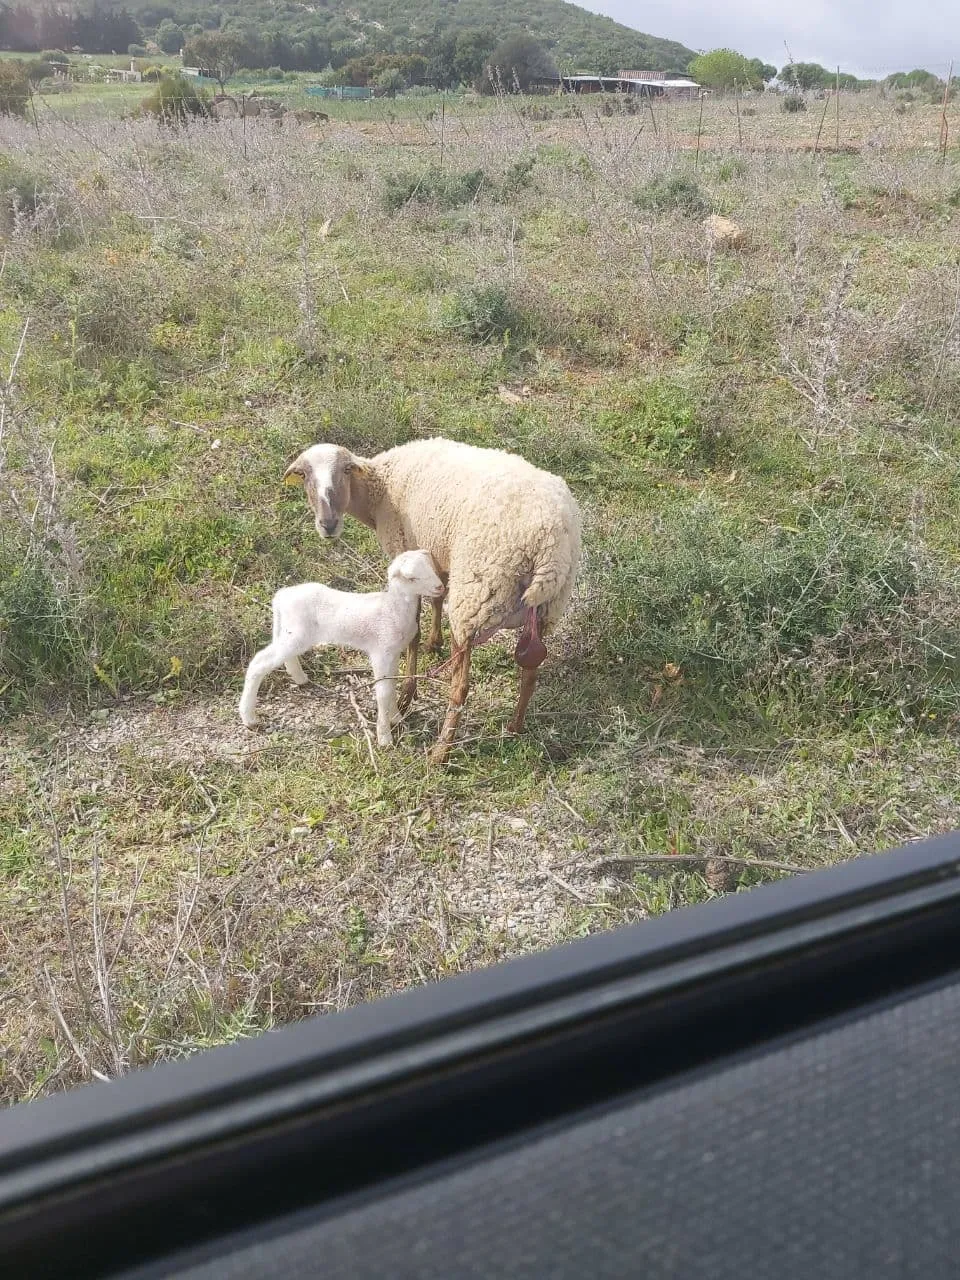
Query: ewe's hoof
[(433, 646), (438, 756)]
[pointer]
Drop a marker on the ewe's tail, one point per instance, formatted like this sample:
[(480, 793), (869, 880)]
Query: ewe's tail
[(555, 570)]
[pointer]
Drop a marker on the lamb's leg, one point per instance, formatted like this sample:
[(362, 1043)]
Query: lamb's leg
[(459, 687), (385, 668), (296, 671), (409, 690), (435, 639), (269, 659)]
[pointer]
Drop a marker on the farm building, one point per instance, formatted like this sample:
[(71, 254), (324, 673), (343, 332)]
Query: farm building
[(648, 84)]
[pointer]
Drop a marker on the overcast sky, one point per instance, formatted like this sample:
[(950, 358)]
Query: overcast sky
[(866, 37)]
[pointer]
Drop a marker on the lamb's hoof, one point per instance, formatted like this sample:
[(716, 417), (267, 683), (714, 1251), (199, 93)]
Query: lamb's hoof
[(385, 742), (251, 722), (301, 684)]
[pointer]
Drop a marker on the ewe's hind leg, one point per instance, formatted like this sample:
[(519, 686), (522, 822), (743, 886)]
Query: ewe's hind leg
[(275, 655), (459, 688), (385, 669), (409, 690), (529, 654), (528, 682)]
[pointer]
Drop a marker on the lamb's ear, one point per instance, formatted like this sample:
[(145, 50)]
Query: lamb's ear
[(295, 473)]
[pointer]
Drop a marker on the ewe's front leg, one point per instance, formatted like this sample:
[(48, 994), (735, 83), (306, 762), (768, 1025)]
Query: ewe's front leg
[(435, 639), (409, 690), (459, 688)]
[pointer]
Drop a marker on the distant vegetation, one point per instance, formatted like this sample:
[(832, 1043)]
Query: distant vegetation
[(297, 37)]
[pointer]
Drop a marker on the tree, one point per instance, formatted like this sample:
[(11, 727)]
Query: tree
[(219, 53), (174, 100), (14, 88), (806, 75), (763, 70), (516, 63), (390, 82), (170, 37), (722, 69)]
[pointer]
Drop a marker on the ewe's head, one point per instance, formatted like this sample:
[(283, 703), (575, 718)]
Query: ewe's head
[(325, 471), (416, 573)]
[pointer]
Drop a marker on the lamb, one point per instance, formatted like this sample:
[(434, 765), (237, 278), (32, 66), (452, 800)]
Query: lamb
[(380, 623), (504, 535)]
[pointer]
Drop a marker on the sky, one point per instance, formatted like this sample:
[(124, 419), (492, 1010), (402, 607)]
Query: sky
[(869, 38)]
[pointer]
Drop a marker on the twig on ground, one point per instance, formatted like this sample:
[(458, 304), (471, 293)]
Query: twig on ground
[(365, 726)]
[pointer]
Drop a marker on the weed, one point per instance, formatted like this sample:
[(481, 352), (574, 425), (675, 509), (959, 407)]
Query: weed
[(793, 103)]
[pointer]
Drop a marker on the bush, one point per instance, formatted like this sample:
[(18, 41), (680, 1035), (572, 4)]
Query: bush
[(274, 73), (793, 103), (175, 100), (678, 192), (445, 190), (484, 313), (14, 88), (136, 50), (848, 610)]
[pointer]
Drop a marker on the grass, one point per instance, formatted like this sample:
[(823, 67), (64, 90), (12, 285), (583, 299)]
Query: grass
[(758, 672)]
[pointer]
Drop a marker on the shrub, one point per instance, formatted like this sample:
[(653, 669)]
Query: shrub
[(677, 192), (21, 190), (484, 313), (38, 70), (136, 50), (38, 633), (793, 103), (445, 190), (175, 100), (274, 73), (14, 88)]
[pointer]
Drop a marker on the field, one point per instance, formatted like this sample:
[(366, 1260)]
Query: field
[(758, 676)]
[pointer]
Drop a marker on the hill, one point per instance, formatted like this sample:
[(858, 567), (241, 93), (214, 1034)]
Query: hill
[(340, 29)]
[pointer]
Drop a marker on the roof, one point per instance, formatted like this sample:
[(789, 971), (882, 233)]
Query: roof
[(678, 83)]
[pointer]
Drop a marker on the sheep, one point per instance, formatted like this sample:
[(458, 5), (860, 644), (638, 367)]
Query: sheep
[(504, 535), (380, 623)]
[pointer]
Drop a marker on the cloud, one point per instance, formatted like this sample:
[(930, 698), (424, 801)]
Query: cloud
[(863, 36)]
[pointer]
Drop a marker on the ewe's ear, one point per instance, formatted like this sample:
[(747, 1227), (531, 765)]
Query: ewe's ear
[(295, 473), (358, 466)]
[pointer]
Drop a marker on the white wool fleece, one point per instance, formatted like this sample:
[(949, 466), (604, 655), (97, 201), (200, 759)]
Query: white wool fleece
[(507, 533)]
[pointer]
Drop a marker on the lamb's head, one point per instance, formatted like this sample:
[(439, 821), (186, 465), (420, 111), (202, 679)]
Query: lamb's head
[(415, 573), (326, 472)]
